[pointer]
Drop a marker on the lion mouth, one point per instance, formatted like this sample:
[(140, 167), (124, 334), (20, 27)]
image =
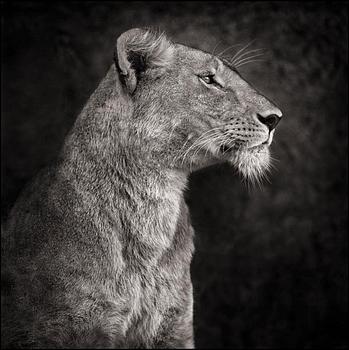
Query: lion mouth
[(226, 148), (252, 162), (258, 147)]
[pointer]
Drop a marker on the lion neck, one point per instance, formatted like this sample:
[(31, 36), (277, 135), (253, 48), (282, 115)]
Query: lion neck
[(122, 174)]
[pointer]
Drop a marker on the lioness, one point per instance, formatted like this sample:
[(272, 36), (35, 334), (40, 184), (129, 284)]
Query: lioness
[(97, 249)]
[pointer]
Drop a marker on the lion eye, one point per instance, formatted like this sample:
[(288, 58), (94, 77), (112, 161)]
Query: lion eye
[(208, 79)]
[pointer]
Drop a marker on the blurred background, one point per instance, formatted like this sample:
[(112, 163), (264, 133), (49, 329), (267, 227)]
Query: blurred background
[(270, 268)]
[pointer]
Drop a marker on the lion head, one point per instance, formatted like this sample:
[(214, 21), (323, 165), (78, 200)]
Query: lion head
[(193, 107)]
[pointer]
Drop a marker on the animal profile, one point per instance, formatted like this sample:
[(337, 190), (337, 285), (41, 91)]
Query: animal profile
[(97, 248)]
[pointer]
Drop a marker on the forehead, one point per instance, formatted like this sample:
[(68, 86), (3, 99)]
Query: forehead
[(198, 59)]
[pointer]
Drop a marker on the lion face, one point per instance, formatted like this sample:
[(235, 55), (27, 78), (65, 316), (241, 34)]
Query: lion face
[(205, 111)]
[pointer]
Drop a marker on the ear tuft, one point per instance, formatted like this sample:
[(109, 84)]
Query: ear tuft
[(138, 50), (155, 48)]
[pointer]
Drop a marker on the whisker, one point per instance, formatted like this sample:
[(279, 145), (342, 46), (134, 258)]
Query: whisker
[(215, 47), (245, 54), (225, 135), (228, 138), (273, 159), (237, 62), (207, 139), (227, 49), (179, 152), (196, 142), (204, 144), (205, 136), (242, 50)]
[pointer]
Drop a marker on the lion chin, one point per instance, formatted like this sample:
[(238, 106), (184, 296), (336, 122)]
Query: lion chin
[(253, 162)]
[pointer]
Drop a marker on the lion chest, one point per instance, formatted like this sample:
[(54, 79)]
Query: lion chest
[(146, 302)]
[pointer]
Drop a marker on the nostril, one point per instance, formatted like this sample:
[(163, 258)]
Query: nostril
[(270, 121)]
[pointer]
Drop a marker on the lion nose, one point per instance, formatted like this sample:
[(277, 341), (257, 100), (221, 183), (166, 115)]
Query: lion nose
[(270, 119)]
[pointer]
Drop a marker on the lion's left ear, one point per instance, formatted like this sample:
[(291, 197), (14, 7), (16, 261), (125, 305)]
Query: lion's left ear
[(138, 50)]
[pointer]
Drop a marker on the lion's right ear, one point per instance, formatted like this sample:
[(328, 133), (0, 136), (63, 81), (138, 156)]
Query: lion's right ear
[(138, 50)]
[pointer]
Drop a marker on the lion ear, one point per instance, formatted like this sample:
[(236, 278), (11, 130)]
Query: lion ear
[(138, 50)]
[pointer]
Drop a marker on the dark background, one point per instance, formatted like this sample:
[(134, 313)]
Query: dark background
[(270, 267)]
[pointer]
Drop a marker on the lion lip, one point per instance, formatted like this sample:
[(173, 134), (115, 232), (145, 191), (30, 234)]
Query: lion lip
[(268, 141), (228, 148), (259, 146), (270, 138)]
